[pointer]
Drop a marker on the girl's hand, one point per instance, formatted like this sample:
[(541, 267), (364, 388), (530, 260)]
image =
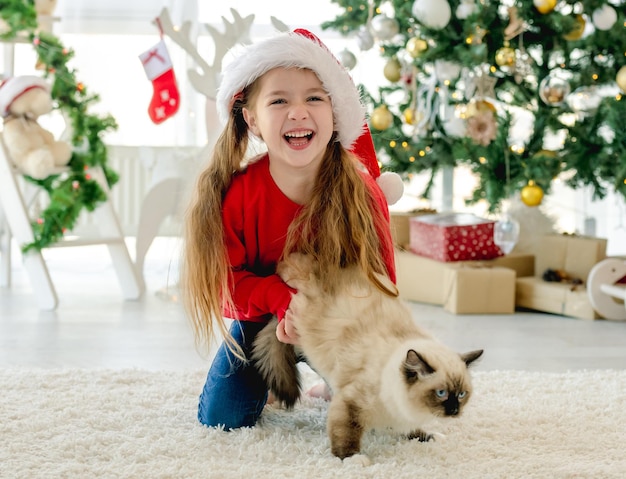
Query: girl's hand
[(286, 330)]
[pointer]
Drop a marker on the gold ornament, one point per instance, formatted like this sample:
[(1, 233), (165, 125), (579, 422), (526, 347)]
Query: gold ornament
[(545, 154), (409, 116), (381, 118), (416, 46), (544, 6), (393, 70), (577, 32), (532, 194), (476, 107), (621, 78), (505, 56)]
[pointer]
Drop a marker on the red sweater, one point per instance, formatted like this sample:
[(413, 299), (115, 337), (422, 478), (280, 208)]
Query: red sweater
[(256, 216)]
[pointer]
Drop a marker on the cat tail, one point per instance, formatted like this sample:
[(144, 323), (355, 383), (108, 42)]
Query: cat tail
[(277, 364)]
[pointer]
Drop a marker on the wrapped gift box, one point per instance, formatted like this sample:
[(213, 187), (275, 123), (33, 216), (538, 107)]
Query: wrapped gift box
[(574, 255), (522, 263), (465, 287), (477, 289), (558, 298), (453, 237), (400, 230), (419, 279)]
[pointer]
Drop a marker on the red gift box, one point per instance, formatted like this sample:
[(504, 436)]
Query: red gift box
[(453, 237)]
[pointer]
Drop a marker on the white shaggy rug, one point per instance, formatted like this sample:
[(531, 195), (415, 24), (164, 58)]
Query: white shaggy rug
[(140, 424)]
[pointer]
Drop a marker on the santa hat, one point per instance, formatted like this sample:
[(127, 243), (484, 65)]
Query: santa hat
[(302, 49), (14, 87)]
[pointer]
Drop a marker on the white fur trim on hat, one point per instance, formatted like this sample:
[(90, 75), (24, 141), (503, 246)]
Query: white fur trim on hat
[(13, 87), (296, 50)]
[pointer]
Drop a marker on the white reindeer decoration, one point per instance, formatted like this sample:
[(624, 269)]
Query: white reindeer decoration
[(171, 175), (207, 82)]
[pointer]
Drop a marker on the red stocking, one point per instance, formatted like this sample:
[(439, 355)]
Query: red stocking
[(158, 67)]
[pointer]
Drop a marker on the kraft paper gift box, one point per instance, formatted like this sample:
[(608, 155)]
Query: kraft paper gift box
[(418, 278), (479, 289), (575, 255), (453, 237), (558, 298), (522, 263), (426, 280), (400, 229)]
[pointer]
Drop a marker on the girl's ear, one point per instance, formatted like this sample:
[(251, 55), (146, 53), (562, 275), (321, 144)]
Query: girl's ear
[(250, 119)]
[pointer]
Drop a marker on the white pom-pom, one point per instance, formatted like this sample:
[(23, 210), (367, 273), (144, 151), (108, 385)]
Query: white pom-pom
[(392, 186)]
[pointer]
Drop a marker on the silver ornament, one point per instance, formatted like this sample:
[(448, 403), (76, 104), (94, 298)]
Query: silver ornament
[(347, 59), (384, 28), (364, 39), (553, 90)]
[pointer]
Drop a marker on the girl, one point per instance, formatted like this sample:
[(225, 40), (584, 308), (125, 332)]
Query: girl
[(309, 193)]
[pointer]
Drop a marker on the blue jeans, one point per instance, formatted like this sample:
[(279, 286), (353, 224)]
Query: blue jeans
[(234, 394)]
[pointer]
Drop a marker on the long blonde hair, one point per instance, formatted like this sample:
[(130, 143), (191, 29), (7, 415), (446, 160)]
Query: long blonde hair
[(337, 227)]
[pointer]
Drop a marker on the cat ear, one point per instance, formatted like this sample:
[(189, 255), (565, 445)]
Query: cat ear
[(415, 365), (472, 356)]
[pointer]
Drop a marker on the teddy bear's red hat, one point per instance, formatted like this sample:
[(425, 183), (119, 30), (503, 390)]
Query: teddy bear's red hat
[(14, 87)]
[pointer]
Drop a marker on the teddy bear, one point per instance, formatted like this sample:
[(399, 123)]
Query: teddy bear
[(45, 7), (31, 148)]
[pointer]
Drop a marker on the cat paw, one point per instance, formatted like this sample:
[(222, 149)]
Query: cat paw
[(358, 459), (421, 436)]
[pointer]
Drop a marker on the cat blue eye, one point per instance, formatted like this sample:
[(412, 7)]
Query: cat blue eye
[(441, 393), (462, 394)]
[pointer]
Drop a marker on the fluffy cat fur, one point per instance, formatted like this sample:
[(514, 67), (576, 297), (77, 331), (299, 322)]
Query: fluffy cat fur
[(385, 372)]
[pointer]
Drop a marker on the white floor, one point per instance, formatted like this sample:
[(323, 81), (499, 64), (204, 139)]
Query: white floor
[(94, 327)]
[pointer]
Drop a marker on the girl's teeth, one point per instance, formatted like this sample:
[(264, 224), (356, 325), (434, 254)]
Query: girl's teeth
[(298, 135)]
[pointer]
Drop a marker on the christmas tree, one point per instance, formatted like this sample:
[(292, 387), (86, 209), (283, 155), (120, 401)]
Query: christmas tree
[(522, 92)]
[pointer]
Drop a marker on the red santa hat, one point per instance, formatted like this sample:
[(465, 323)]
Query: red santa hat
[(302, 49), (14, 87)]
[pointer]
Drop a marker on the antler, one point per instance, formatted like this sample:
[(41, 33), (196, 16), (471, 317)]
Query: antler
[(206, 82)]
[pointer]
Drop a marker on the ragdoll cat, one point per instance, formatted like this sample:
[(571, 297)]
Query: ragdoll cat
[(384, 371)]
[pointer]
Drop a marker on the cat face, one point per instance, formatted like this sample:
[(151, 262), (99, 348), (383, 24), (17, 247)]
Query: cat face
[(441, 389)]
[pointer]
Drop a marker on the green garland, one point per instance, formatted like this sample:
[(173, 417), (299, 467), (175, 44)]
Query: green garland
[(75, 190), (586, 157)]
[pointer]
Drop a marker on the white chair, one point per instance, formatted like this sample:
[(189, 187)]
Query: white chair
[(15, 222), (607, 297)]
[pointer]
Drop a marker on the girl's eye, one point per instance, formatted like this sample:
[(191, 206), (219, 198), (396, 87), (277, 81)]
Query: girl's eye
[(278, 101), (316, 98), (441, 393), (462, 394)]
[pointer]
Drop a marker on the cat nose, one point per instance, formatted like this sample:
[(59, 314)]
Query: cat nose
[(452, 411), (451, 407)]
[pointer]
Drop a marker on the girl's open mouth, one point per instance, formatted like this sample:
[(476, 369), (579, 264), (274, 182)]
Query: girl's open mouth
[(299, 138)]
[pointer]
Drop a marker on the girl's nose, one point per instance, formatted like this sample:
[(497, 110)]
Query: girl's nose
[(298, 111)]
